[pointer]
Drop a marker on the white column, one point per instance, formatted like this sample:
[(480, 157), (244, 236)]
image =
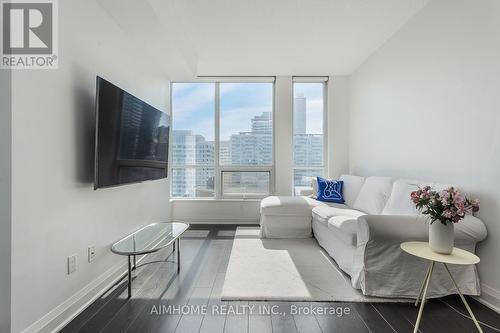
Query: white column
[(283, 135)]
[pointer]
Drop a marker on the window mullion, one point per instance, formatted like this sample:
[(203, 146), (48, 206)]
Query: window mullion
[(218, 178)]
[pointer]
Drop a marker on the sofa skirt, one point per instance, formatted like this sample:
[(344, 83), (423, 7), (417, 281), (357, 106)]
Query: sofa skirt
[(283, 226)]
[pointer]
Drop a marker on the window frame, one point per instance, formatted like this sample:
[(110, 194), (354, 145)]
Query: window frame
[(218, 168), (246, 195), (323, 80)]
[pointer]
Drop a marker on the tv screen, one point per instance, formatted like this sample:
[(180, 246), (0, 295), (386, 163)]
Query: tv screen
[(131, 138)]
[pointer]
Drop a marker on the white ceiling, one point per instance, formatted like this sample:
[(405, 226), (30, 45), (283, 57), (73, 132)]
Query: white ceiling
[(268, 37)]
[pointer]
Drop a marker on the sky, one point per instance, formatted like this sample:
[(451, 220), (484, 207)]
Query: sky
[(193, 106)]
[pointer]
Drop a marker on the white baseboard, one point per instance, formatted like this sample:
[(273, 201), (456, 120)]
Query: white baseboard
[(61, 315), (489, 297), (218, 221)]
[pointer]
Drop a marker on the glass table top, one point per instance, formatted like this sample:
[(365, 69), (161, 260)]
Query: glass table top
[(150, 238)]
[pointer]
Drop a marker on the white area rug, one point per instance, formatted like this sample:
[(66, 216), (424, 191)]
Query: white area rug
[(286, 270)]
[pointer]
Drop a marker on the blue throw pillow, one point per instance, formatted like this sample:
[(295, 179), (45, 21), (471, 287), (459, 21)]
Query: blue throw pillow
[(330, 190)]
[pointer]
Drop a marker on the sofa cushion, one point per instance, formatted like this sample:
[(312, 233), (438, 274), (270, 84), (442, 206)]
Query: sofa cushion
[(314, 185), (324, 213), (288, 205), (352, 186), (373, 194), (440, 186), (399, 202), (345, 227)]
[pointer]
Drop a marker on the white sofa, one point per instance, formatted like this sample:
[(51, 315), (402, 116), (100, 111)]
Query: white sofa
[(364, 234)]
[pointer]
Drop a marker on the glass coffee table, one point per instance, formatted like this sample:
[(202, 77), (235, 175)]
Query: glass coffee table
[(150, 239)]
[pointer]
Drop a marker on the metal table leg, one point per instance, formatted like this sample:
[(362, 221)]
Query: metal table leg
[(426, 285), (463, 299), (129, 277), (423, 284), (178, 254)]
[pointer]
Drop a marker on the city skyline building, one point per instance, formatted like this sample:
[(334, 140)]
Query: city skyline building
[(225, 152), (197, 154), (300, 114), (252, 148)]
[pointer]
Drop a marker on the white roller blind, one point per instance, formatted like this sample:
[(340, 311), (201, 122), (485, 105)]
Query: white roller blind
[(310, 78), (239, 79)]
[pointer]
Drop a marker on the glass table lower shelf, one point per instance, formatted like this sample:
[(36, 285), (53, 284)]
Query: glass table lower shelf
[(150, 239)]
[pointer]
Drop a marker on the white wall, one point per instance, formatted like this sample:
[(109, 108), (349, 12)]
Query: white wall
[(216, 211), (5, 198), (338, 126), (427, 105), (55, 211)]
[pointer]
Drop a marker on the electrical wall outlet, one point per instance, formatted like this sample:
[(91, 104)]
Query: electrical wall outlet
[(91, 253), (72, 264)]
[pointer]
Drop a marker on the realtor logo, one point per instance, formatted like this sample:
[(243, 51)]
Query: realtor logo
[(29, 34)]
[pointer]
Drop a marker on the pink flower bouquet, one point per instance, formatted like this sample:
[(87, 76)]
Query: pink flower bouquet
[(448, 205)]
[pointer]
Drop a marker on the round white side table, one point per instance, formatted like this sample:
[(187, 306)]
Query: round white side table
[(456, 257)]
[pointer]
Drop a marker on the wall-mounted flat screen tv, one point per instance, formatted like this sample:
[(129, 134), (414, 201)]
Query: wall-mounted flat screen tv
[(131, 138)]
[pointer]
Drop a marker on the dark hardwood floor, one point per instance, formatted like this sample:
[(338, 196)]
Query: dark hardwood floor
[(160, 296)]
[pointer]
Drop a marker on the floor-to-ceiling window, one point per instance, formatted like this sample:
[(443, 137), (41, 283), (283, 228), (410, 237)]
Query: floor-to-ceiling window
[(193, 138), (246, 138), (308, 131), (222, 139)]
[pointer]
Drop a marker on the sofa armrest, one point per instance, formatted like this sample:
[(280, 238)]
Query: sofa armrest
[(392, 228), (471, 227), (414, 228)]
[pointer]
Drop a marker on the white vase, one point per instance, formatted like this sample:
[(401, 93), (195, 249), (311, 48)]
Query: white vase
[(441, 237)]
